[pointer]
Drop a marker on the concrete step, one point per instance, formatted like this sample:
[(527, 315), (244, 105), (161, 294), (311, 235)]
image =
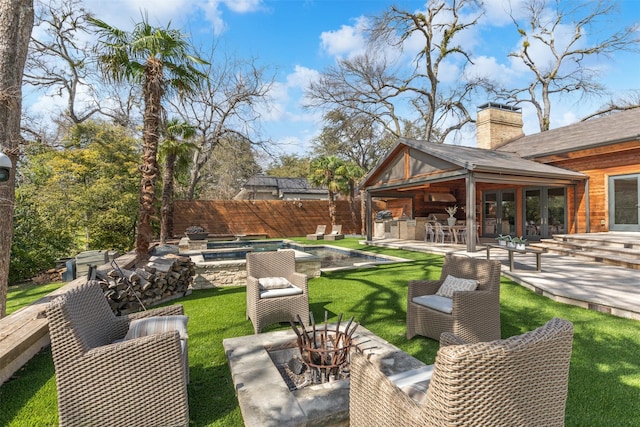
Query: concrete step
[(620, 254)]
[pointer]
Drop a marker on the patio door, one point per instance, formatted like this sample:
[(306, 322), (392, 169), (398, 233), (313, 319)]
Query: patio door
[(624, 209), (544, 212), (498, 213)]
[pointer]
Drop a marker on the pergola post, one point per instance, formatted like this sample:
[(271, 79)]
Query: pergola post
[(470, 211), (368, 220)]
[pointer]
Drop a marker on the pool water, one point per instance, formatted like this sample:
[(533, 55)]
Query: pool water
[(329, 257)]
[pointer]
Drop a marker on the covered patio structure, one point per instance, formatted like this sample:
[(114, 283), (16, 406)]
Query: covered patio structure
[(417, 178)]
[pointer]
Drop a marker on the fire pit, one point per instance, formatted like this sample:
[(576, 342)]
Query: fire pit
[(325, 350), (266, 399)]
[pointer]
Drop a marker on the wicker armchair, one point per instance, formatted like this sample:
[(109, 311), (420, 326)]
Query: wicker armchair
[(104, 380), (474, 316), (288, 303), (519, 381)]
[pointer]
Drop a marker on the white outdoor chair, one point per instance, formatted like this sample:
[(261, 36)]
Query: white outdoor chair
[(429, 232)]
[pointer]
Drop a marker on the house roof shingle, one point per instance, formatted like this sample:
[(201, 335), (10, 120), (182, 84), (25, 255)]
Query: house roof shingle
[(605, 130)]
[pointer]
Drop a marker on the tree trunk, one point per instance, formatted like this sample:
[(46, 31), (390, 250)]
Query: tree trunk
[(16, 22), (332, 208), (166, 224), (149, 166)]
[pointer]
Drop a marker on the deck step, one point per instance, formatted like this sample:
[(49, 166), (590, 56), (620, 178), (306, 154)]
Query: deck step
[(611, 251)]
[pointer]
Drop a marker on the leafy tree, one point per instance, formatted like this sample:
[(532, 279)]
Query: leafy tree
[(352, 173), (16, 22), (41, 234), (175, 148), (159, 59), (358, 138), (231, 164), (325, 171), (560, 47), (290, 166), (81, 197)]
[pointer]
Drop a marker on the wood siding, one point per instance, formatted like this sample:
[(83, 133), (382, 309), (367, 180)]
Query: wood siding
[(599, 167)]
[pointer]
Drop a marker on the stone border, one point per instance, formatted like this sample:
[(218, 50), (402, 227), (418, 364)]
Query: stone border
[(265, 399)]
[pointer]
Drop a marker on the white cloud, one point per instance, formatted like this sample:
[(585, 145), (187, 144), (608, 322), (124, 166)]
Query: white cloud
[(122, 14), (242, 6), (301, 77), (488, 67), (348, 41)]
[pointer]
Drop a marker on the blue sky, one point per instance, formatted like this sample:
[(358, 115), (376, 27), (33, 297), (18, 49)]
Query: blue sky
[(297, 39)]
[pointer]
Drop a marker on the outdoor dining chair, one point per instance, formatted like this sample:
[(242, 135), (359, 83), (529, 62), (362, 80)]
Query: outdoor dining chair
[(441, 234), (429, 232), (105, 376), (468, 304), (519, 381), (275, 291)]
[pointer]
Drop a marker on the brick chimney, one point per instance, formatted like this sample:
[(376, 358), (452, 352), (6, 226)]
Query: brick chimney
[(497, 124)]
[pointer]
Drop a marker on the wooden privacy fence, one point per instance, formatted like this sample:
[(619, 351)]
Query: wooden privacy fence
[(271, 218)]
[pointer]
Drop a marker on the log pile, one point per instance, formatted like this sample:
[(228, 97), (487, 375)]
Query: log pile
[(160, 279)]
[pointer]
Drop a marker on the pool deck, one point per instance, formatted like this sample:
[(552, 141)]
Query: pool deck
[(591, 285)]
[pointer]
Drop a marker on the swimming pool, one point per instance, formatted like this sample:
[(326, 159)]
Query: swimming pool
[(221, 264), (330, 256)]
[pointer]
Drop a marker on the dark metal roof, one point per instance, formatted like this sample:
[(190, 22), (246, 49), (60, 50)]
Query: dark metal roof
[(601, 131), (283, 184)]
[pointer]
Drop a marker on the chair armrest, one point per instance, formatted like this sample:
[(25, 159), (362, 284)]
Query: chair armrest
[(172, 310), (253, 287), (474, 301), (375, 400), (449, 338), (423, 287), (147, 350), (300, 280)]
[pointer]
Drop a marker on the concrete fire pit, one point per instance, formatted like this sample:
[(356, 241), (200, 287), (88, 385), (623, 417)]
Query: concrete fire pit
[(265, 398)]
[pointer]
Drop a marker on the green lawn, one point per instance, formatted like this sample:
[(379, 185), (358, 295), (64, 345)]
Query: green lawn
[(22, 295), (604, 384)]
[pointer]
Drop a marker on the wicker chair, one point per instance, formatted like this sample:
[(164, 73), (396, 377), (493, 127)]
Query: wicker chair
[(105, 380), (474, 316), (263, 309), (519, 381)]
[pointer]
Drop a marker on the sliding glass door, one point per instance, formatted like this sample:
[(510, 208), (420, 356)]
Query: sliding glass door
[(499, 213), (544, 212)]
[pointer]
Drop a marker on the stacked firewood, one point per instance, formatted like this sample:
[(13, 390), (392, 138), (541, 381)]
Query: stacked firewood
[(162, 278)]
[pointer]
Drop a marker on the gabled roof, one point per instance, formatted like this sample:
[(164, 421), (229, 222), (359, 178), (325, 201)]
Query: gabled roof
[(429, 162), (613, 128)]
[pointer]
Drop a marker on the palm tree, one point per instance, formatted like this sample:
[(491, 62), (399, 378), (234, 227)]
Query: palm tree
[(351, 173), (325, 172), (159, 59), (175, 151)]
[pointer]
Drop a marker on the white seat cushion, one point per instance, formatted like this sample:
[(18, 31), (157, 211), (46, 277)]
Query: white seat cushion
[(452, 284), (435, 302), (282, 292), (414, 382)]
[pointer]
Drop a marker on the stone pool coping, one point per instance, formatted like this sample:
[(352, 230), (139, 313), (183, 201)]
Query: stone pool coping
[(265, 399)]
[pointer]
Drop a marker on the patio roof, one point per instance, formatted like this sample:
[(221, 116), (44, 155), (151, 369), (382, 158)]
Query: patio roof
[(411, 163)]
